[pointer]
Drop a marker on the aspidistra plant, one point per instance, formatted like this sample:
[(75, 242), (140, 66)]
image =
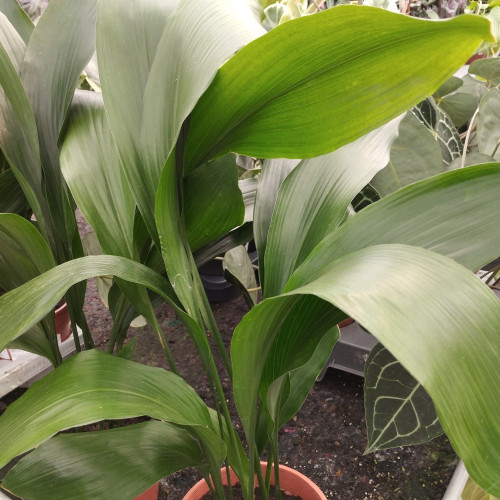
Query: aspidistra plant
[(208, 83), (40, 66)]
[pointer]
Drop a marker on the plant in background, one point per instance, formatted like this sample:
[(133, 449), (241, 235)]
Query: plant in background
[(149, 163)]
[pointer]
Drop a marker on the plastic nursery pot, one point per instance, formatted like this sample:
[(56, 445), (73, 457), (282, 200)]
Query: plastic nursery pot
[(291, 482), (150, 494), (63, 323)]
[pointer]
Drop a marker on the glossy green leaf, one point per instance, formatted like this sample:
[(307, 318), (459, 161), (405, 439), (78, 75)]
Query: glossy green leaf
[(91, 168), (409, 216), (60, 46), (197, 40), (24, 253), (386, 288), (122, 44), (415, 155), (18, 18), (259, 107), (398, 410), (26, 305), (121, 462), (273, 174), (304, 214), (18, 133), (488, 124), (74, 395), (12, 199), (213, 203)]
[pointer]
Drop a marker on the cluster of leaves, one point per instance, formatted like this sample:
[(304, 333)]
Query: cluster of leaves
[(157, 180)]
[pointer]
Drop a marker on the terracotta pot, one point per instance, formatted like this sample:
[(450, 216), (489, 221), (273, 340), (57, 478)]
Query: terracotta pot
[(346, 322), (150, 493), (291, 481), (63, 323)]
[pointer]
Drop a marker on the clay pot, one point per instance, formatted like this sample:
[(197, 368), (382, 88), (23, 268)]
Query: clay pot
[(150, 494), (63, 323), (291, 481)]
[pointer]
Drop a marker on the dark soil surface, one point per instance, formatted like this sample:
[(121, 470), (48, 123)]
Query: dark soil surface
[(325, 441)]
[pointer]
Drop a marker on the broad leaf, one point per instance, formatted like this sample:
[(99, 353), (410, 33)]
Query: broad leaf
[(122, 44), (24, 254), (264, 97), (398, 410), (69, 397), (197, 40), (409, 216), (91, 167), (387, 288), (273, 174), (213, 203), (122, 462), (304, 214), (26, 305), (60, 46)]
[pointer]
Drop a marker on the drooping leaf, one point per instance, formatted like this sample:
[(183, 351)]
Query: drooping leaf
[(386, 288), (398, 410), (409, 216), (26, 305), (258, 106), (122, 462), (69, 397)]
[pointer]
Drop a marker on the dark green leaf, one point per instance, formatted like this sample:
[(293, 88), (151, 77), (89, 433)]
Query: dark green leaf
[(259, 106), (115, 464), (398, 410)]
